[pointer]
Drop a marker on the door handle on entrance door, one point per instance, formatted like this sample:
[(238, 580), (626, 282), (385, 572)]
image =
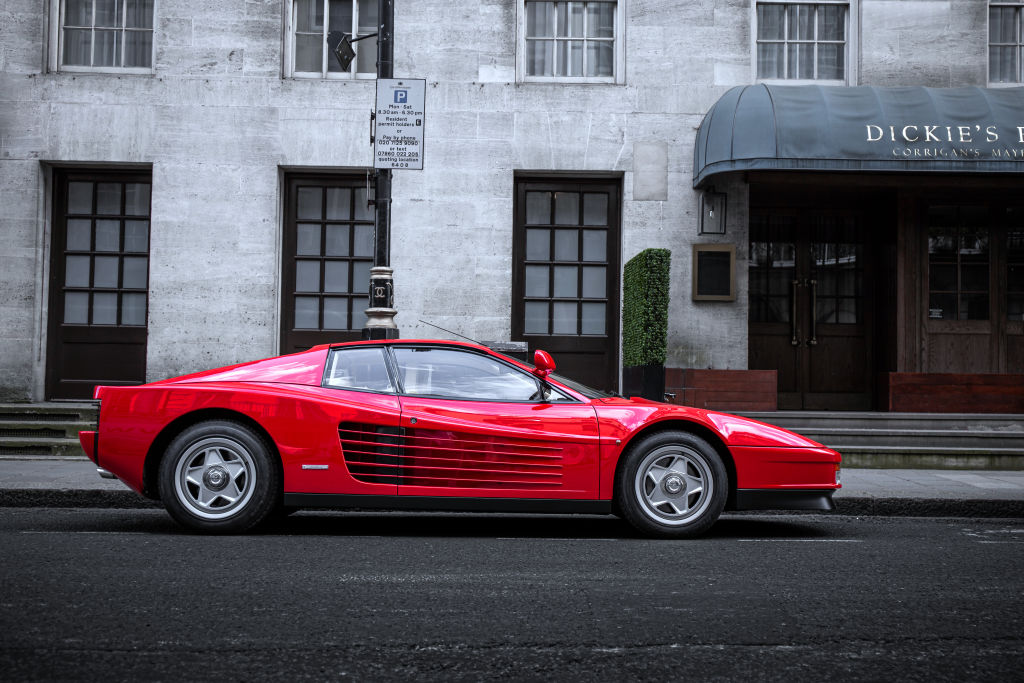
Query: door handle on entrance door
[(813, 341), (792, 315)]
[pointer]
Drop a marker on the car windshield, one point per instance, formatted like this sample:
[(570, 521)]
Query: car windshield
[(589, 392)]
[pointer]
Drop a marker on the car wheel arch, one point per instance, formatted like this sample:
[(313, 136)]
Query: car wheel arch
[(709, 435), (159, 446)]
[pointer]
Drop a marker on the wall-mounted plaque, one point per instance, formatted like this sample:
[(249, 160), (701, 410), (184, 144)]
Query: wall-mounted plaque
[(714, 272)]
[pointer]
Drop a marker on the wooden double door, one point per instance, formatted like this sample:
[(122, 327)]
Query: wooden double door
[(811, 306)]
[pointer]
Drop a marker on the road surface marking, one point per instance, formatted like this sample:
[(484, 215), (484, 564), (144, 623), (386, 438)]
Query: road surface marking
[(798, 540)]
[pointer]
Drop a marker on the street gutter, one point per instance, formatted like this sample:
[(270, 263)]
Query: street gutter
[(853, 506)]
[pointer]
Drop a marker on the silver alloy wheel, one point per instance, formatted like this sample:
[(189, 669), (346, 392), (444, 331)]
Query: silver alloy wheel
[(215, 477), (674, 484)]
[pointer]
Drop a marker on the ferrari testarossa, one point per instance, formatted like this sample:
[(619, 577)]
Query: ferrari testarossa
[(440, 425)]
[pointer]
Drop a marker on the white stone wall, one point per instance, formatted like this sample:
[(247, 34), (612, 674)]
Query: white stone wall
[(218, 125), (936, 43)]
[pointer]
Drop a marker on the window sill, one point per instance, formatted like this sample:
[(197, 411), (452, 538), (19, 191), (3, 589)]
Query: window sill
[(801, 81), (564, 80), (309, 76), (106, 70)]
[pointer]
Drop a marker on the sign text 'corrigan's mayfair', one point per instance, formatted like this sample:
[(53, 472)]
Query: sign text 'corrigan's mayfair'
[(399, 118)]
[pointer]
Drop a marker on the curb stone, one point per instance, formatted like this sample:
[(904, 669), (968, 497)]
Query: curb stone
[(854, 506)]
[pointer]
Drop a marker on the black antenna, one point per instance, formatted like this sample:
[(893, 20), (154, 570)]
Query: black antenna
[(450, 332)]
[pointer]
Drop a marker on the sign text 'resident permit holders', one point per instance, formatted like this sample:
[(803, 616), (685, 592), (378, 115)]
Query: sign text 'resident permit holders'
[(398, 134)]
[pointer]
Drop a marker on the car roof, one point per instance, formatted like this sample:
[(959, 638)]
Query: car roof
[(399, 342)]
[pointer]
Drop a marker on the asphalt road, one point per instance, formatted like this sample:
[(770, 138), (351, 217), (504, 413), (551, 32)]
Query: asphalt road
[(91, 594)]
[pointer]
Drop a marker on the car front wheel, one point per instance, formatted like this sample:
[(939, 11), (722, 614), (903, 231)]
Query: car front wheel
[(219, 476), (673, 484)]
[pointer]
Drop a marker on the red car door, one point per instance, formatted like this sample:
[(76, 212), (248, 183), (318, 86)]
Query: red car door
[(475, 426), (357, 421)]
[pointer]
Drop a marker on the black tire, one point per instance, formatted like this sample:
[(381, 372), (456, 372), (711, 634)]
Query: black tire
[(672, 485), (219, 477)]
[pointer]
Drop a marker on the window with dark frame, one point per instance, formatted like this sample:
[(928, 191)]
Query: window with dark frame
[(772, 268), (837, 268), (106, 253), (328, 254), (566, 263), (958, 262)]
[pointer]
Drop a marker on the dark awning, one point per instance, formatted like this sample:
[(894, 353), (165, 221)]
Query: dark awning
[(835, 128)]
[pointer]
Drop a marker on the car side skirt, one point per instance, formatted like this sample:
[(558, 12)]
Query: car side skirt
[(446, 504), (776, 499)]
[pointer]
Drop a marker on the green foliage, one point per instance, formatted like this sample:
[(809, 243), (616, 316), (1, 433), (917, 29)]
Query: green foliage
[(645, 308)]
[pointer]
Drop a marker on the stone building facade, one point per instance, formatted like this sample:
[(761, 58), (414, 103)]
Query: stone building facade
[(215, 112)]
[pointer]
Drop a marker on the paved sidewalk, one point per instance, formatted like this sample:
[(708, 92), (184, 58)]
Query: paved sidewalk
[(48, 481)]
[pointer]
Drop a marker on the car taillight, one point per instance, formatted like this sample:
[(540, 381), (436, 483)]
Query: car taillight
[(96, 439), (838, 474)]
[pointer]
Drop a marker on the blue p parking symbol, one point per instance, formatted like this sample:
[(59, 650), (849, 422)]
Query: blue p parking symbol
[(401, 96)]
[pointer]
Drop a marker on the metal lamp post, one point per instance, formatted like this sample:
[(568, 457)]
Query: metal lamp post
[(380, 316)]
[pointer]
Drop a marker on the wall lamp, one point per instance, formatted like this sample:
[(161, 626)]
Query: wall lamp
[(712, 212)]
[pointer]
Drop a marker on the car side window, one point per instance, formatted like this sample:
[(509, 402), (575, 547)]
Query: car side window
[(359, 368), (449, 373)]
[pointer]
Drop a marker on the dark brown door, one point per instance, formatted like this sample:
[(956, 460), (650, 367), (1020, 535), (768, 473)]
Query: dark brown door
[(328, 253), (975, 276), (809, 307), (99, 282), (565, 279)]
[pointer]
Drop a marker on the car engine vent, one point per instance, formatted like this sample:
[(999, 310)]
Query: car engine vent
[(448, 459), (371, 451)]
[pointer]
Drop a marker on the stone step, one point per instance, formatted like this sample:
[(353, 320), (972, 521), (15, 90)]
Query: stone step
[(46, 412), (43, 429), (41, 446), (894, 421), (926, 458), (930, 438), (912, 440), (28, 429)]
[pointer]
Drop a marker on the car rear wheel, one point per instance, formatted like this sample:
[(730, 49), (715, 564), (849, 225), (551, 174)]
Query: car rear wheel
[(673, 484), (219, 476)]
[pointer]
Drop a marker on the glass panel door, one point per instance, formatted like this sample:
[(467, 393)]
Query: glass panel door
[(328, 253), (566, 275), (99, 281)]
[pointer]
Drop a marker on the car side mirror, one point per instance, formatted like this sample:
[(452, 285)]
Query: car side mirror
[(543, 363)]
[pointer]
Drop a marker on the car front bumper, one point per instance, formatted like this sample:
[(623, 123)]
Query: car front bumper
[(782, 499)]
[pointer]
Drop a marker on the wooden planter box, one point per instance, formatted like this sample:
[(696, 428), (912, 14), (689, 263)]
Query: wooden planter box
[(926, 392), (729, 390), (647, 381)]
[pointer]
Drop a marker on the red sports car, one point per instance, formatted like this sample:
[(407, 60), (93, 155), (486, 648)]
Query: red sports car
[(440, 425)]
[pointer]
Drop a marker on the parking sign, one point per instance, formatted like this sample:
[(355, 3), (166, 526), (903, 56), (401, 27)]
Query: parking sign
[(399, 115)]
